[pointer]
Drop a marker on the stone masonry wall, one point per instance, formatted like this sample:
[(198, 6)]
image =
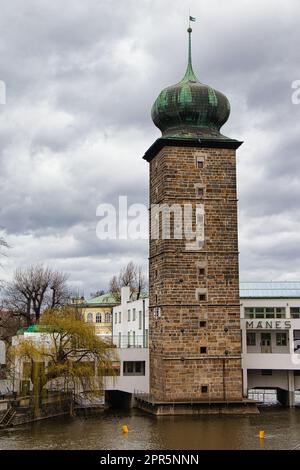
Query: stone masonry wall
[(181, 322)]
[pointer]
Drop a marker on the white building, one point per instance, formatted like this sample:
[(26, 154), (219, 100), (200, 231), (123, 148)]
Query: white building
[(130, 327), (270, 323), (130, 324)]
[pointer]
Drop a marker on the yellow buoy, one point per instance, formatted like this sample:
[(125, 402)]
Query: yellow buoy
[(261, 434), (125, 429)]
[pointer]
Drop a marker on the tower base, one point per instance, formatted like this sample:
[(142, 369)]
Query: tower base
[(163, 408)]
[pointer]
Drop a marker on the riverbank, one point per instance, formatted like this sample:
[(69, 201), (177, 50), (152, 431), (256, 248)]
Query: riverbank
[(281, 426)]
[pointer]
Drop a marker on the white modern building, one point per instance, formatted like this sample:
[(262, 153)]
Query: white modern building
[(130, 322), (270, 323), (130, 332)]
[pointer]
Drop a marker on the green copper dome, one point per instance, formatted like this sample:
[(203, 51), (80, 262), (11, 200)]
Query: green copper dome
[(190, 108)]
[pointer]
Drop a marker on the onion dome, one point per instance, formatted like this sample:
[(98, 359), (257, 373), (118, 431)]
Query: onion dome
[(190, 109)]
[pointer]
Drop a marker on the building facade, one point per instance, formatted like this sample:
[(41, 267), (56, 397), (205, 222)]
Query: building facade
[(270, 323), (98, 311), (195, 347), (270, 338), (130, 322)]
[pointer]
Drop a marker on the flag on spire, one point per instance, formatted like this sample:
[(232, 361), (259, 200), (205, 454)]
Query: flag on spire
[(192, 18)]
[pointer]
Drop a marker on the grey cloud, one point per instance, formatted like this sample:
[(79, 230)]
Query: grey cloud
[(81, 78)]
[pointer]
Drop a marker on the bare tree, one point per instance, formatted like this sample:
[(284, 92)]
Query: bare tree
[(98, 293), (9, 325), (59, 290), (131, 276), (141, 281), (33, 289)]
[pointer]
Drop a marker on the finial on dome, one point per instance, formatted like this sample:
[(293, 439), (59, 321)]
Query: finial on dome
[(190, 109), (189, 74)]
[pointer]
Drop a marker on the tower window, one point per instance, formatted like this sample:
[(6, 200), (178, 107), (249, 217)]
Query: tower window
[(200, 192), (200, 162), (202, 297), (202, 324), (204, 389), (203, 350), (201, 271)]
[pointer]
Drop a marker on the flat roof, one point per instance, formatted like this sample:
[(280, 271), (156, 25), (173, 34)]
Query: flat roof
[(276, 290)]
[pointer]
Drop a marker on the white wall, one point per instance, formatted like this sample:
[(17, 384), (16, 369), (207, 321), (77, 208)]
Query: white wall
[(130, 383), (279, 378), (130, 317), (2, 352)]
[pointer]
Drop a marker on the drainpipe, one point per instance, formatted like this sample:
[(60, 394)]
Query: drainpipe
[(224, 382)]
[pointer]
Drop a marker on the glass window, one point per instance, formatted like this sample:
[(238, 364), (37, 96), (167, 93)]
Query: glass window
[(128, 315), (89, 317), (120, 316), (264, 312), (251, 338), (281, 339), (133, 314), (266, 372), (295, 315), (119, 340), (295, 309), (133, 338), (98, 317), (140, 320), (200, 162), (295, 312), (116, 317), (259, 315), (134, 368), (107, 317)]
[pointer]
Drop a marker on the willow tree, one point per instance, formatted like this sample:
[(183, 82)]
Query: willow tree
[(66, 351)]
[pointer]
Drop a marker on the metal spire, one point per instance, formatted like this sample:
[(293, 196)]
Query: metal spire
[(189, 74)]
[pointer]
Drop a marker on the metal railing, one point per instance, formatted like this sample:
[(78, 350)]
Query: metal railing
[(124, 341)]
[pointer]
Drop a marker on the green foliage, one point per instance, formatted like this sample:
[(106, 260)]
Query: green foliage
[(67, 351)]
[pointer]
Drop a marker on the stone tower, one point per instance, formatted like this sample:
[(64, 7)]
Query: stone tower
[(194, 310)]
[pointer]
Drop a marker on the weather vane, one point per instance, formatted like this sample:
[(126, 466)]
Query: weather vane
[(191, 18)]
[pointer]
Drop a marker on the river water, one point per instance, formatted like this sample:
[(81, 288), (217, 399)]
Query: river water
[(281, 426)]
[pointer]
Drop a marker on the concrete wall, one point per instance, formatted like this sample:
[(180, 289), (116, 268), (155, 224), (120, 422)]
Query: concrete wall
[(131, 383), (278, 379)]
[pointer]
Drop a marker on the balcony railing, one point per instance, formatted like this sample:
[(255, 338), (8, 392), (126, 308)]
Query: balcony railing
[(123, 341)]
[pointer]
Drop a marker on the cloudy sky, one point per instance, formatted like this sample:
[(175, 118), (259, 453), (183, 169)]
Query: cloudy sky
[(81, 77)]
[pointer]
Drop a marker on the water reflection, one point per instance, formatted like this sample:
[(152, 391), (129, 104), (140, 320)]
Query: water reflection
[(281, 426)]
